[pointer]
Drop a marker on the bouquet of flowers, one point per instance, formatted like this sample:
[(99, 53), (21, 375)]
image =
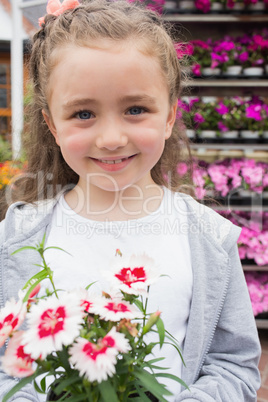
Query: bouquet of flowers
[(93, 346)]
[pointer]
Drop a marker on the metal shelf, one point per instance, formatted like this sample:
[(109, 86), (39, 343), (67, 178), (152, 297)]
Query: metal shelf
[(241, 208), (261, 324), (263, 268), (222, 82), (212, 18), (243, 147)]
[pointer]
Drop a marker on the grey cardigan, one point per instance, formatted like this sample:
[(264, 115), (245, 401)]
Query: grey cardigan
[(221, 348)]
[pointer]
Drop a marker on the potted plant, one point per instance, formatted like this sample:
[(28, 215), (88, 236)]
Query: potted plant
[(253, 117), (251, 56), (206, 120), (202, 57), (255, 5), (217, 5), (209, 5), (187, 5), (228, 49), (186, 112), (230, 123), (236, 5)]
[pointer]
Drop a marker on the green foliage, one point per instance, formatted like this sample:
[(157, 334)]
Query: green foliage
[(5, 150)]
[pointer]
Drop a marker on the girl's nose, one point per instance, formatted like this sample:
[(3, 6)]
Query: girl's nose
[(111, 137)]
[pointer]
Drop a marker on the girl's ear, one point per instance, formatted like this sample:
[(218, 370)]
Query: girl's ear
[(171, 120), (51, 125)]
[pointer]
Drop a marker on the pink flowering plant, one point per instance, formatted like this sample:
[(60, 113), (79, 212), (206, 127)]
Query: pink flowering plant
[(230, 113), (205, 5), (227, 177), (257, 283), (93, 346), (252, 50), (201, 55), (254, 114)]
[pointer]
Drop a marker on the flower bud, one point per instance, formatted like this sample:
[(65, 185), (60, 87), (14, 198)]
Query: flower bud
[(151, 321)]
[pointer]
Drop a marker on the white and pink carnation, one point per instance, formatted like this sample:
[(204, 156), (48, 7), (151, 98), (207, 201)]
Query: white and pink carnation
[(16, 362), (97, 361), (87, 299), (53, 323), (11, 317), (133, 275), (115, 309)]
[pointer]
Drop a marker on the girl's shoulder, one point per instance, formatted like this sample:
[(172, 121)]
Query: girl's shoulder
[(22, 218)]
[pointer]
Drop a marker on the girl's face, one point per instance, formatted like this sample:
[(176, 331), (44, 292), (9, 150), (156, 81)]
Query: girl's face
[(109, 113)]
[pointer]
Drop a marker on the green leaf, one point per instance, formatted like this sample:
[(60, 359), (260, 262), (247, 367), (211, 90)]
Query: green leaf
[(33, 282), (142, 396), (57, 248), (23, 248), (65, 383), (177, 348), (139, 304), (150, 383), (63, 355), (158, 359), (88, 286), (172, 377), (38, 389), (161, 331), (42, 274), (107, 392), (77, 398), (22, 383), (154, 367), (41, 245), (43, 384)]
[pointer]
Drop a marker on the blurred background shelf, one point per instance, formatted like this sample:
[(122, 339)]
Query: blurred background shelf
[(177, 17), (229, 146)]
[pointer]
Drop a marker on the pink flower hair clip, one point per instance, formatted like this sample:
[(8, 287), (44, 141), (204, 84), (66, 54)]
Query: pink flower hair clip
[(55, 7)]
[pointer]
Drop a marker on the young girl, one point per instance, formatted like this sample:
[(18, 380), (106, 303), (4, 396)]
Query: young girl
[(102, 176)]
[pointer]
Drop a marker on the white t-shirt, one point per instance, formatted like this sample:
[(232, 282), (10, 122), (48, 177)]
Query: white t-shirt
[(162, 235)]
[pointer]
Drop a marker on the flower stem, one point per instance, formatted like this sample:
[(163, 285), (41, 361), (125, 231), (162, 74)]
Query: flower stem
[(49, 272)]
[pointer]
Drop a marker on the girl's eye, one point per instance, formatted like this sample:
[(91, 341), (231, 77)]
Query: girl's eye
[(136, 110), (84, 115)]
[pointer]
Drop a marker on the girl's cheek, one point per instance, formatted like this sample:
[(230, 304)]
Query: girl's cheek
[(148, 138), (77, 143)]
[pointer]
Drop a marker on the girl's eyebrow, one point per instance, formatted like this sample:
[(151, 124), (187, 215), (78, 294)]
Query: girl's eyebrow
[(124, 99), (138, 98), (77, 102)]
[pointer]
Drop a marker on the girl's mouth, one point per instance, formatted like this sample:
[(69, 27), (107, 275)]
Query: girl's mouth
[(113, 164), (112, 161)]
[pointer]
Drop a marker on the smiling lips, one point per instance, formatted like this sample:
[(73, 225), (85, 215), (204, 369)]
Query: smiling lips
[(113, 164)]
